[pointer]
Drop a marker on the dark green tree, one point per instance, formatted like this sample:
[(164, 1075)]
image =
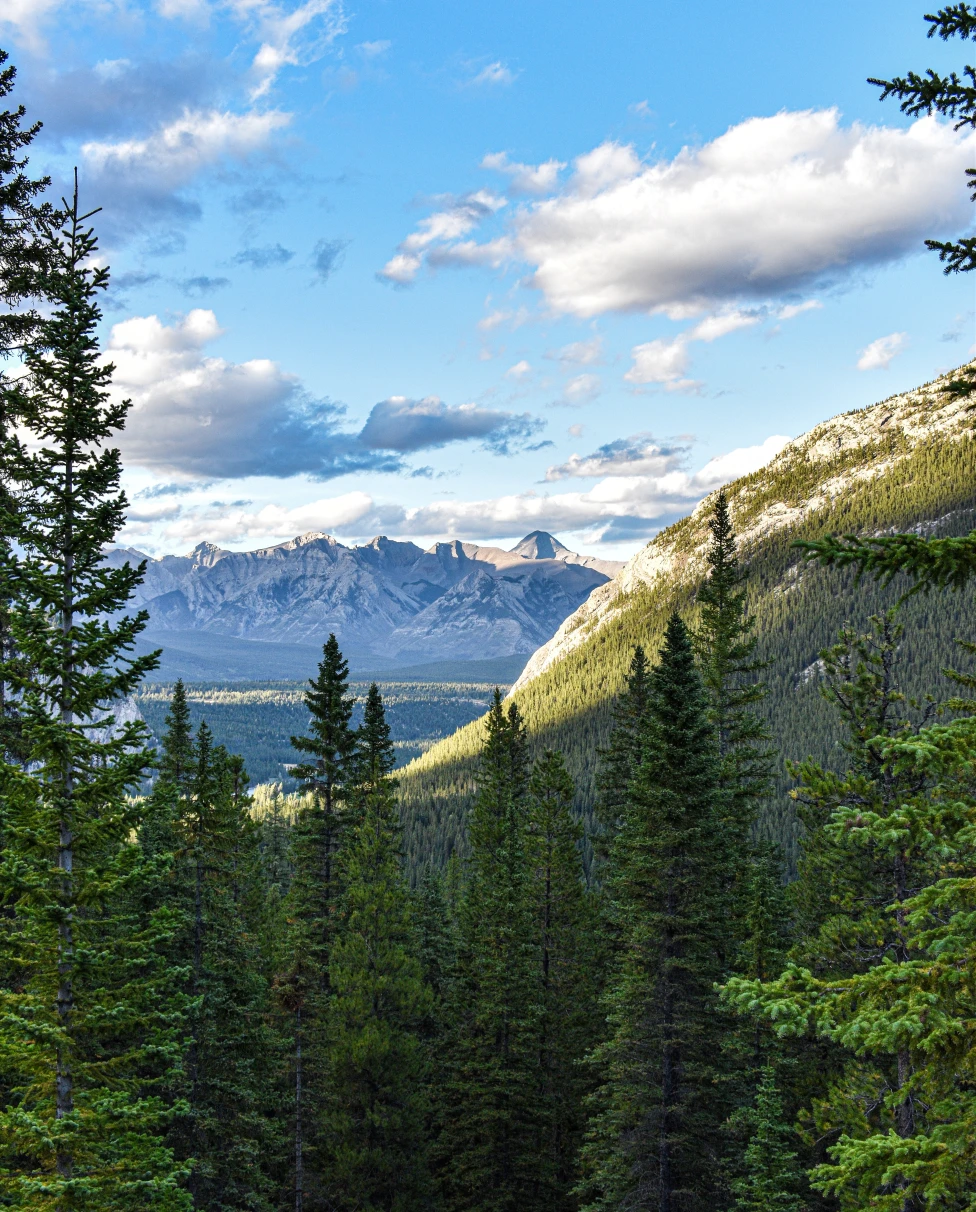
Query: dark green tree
[(490, 1121), (20, 260), (94, 1009), (228, 1082), (621, 757), (565, 923), (772, 1178), (374, 1155), (655, 1139), (314, 895)]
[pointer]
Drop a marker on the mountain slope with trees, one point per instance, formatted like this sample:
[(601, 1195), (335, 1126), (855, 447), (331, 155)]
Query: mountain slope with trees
[(904, 464)]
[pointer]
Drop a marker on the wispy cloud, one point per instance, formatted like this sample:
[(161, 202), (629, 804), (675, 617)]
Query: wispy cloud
[(879, 354)]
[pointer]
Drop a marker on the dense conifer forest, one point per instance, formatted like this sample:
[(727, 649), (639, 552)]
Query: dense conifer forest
[(725, 984)]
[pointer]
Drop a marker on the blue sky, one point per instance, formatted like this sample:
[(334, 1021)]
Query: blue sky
[(440, 270)]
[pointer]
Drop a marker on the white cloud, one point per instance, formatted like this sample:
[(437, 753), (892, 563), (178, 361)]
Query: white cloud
[(205, 418), (639, 455), (224, 524), (581, 353), (494, 73), (581, 389), (441, 228), (660, 361), (740, 462), (878, 355), (373, 50), (410, 425), (641, 109), (526, 178), (519, 370), (720, 325), (142, 176), (293, 37), (27, 17), (773, 206)]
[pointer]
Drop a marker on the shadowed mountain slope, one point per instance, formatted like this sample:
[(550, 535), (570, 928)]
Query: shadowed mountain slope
[(906, 463)]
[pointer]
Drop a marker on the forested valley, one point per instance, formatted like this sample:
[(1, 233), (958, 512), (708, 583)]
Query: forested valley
[(216, 1000)]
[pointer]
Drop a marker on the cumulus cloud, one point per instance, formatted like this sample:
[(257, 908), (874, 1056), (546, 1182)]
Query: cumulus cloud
[(519, 370), (263, 258), (443, 229), (140, 179), (878, 355), (772, 207), (225, 524), (204, 417), (409, 425), (525, 178)]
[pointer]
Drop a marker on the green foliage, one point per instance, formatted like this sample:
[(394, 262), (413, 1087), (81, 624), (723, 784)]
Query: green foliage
[(489, 1117), (91, 1015), (374, 1151), (952, 96), (656, 1128), (772, 1172)]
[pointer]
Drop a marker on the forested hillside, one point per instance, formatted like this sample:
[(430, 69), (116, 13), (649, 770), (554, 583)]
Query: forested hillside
[(908, 462)]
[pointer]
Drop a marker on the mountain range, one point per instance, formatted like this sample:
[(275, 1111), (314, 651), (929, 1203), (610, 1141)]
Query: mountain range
[(905, 464), (389, 603)]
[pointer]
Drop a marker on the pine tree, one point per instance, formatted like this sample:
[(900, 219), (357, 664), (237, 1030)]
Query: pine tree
[(435, 932), (885, 900), (772, 1173), (95, 1012), (565, 922), (620, 759), (489, 1116), (228, 1081), (373, 1127), (21, 257), (314, 894), (655, 1139)]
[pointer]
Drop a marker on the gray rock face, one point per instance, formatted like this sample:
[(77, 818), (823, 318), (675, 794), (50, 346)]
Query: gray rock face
[(385, 599)]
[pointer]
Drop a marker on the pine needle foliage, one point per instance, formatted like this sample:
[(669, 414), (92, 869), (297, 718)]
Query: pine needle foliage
[(373, 1128), (489, 1114), (93, 1010), (655, 1137)]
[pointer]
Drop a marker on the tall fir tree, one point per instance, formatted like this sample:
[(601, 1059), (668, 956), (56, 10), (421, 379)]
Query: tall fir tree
[(490, 1119), (655, 1139), (772, 1176), (22, 247), (228, 1128), (618, 762), (374, 1156), (313, 900), (570, 1019), (95, 1008), (884, 893)]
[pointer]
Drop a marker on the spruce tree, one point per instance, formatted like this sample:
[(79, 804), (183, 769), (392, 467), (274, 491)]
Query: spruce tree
[(228, 1127), (565, 923), (374, 1122), (489, 1117), (95, 1010), (772, 1177), (620, 759), (314, 896), (655, 1138), (21, 255)]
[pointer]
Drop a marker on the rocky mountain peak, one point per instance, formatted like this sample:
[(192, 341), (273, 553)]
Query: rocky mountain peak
[(541, 545), (205, 555)]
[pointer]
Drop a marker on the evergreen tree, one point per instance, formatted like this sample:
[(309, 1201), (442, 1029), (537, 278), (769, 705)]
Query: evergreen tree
[(435, 932), (725, 644), (620, 759), (94, 1012), (565, 923), (373, 1128), (884, 891), (314, 895), (21, 257), (228, 1080), (655, 1139), (489, 1116), (772, 1173)]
